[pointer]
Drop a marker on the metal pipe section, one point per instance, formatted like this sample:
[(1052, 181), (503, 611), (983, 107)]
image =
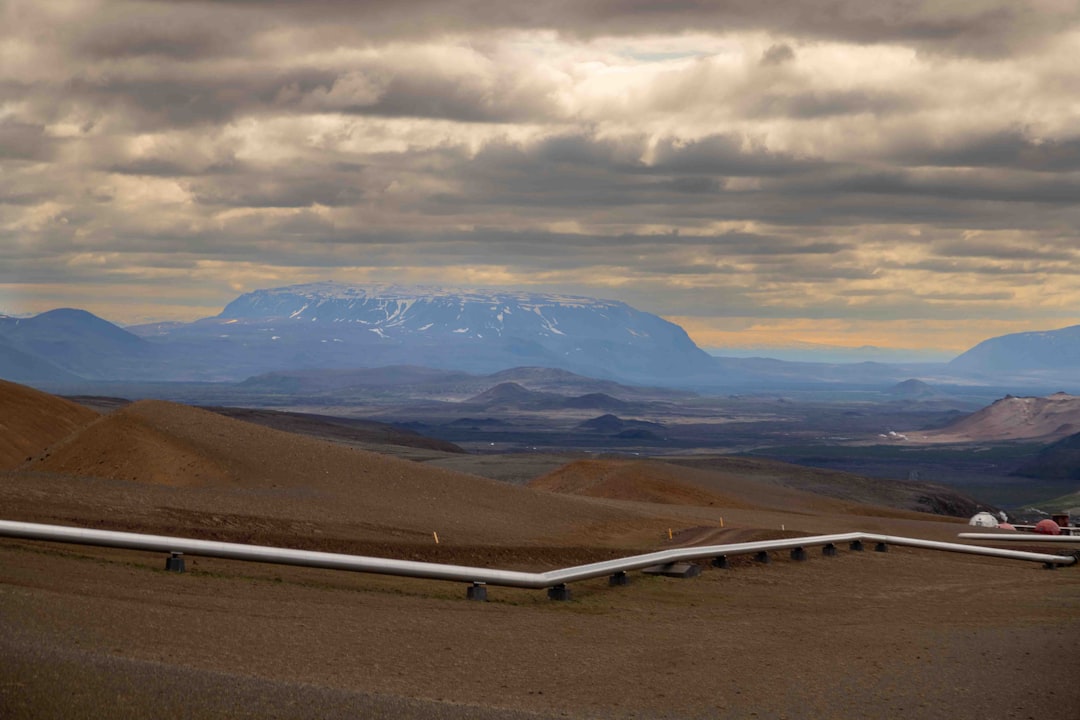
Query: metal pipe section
[(459, 573), (663, 557), (636, 562), (1021, 537), (265, 554), (973, 549)]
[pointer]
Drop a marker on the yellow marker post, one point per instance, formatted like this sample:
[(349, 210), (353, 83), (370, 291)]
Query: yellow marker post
[(669, 535), (436, 536), (721, 522)]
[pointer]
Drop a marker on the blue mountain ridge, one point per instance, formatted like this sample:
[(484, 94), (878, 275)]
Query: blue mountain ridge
[(1027, 352), (470, 330), (66, 344), (332, 326)]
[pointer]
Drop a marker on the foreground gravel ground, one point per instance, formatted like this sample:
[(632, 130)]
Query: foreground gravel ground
[(48, 682), (88, 633)]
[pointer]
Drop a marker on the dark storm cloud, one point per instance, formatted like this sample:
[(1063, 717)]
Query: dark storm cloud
[(584, 150), (727, 155), (726, 245), (974, 27), (541, 192), (1004, 250), (1018, 188), (207, 95), (695, 185), (204, 96), (559, 172), (328, 246), (430, 96), (1010, 149), (15, 195), (825, 104), (777, 54), (989, 268), (124, 32), (159, 167), (24, 141), (689, 181), (280, 190), (967, 297), (811, 268), (580, 170)]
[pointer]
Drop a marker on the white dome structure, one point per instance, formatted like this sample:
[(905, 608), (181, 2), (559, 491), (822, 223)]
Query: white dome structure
[(983, 519)]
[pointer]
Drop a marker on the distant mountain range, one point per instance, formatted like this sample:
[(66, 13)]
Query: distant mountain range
[(328, 325), (1030, 353), (66, 345), (327, 328), (403, 381), (512, 396)]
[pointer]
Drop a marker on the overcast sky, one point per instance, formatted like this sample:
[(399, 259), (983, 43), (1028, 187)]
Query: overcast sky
[(764, 172)]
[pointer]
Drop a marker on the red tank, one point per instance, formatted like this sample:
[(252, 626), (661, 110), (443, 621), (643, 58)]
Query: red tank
[(1047, 527)]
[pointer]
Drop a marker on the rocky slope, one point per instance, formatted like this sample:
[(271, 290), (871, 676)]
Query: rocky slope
[(1013, 418)]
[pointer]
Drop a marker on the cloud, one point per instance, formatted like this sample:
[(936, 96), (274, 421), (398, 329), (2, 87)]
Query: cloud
[(1011, 148), (119, 31), (251, 187), (961, 184), (728, 155), (24, 141), (777, 54), (975, 27), (828, 103), (1008, 249), (823, 159)]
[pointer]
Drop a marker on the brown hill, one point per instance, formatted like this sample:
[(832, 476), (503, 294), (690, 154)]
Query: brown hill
[(338, 429), (637, 480), (350, 431), (31, 420), (1013, 418), (903, 495), (242, 468), (668, 484), (127, 444)]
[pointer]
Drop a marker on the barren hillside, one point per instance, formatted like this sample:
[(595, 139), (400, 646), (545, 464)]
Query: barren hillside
[(1013, 418), (249, 469), (31, 420), (917, 496), (663, 483), (637, 480)]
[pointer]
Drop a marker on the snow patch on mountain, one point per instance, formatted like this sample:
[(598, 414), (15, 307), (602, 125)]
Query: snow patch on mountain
[(481, 329), (398, 310)]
